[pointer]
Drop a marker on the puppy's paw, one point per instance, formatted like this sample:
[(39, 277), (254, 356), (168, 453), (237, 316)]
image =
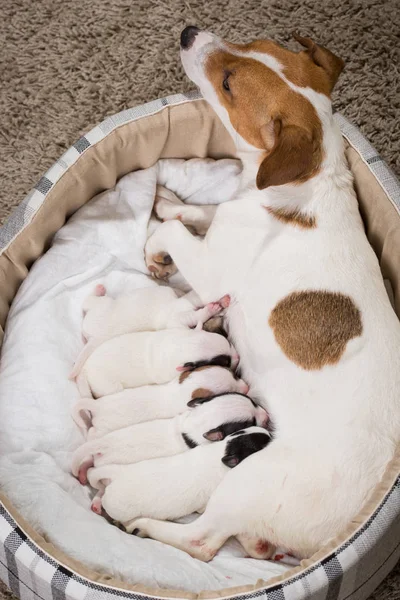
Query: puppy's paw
[(137, 527), (167, 209), (161, 265)]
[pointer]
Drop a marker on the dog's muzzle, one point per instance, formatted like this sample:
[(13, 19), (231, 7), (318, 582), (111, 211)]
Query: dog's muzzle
[(188, 36)]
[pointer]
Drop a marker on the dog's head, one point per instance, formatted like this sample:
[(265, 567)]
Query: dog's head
[(211, 419), (269, 98)]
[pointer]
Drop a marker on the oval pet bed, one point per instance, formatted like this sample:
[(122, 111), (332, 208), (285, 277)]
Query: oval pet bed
[(33, 561)]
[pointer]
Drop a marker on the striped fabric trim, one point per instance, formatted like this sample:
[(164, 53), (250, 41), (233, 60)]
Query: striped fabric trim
[(382, 172), (30, 572), (349, 573)]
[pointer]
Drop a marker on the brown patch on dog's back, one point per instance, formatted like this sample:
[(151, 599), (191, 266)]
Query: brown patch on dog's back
[(185, 374), (293, 217), (313, 327), (201, 393)]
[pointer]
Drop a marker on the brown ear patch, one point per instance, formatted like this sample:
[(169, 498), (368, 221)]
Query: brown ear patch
[(201, 393), (293, 217), (185, 374), (313, 327)]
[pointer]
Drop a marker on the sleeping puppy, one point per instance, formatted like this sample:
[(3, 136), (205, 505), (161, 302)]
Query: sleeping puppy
[(208, 420), (152, 402), (145, 309), (171, 487), (144, 358)]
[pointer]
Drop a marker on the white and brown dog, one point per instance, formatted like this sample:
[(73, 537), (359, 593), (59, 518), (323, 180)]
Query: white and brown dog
[(318, 339)]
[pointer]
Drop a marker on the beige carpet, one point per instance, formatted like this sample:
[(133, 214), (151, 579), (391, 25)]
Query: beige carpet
[(66, 64)]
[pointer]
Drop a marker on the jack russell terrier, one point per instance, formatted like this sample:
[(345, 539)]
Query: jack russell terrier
[(174, 486), (206, 420), (309, 314), (153, 402), (147, 357), (144, 309)]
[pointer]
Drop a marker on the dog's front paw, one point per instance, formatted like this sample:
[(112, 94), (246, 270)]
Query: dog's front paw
[(137, 527), (160, 265)]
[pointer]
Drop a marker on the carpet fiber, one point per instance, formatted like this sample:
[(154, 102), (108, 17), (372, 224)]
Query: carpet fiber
[(66, 65)]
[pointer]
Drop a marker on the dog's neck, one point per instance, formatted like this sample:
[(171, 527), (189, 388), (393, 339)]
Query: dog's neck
[(333, 177)]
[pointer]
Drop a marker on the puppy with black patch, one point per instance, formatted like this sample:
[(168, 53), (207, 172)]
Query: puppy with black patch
[(170, 487), (152, 357), (206, 420)]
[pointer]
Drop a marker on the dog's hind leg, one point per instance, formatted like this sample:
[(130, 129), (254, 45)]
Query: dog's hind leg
[(201, 539), (256, 547)]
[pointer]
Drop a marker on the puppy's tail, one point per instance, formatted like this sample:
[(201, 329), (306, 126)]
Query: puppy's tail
[(82, 411), (91, 300), (86, 351), (83, 456)]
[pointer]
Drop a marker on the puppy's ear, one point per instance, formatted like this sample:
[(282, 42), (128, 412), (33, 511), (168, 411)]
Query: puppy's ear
[(322, 57), (214, 435), (200, 396), (230, 460), (290, 158), (185, 367), (222, 360)]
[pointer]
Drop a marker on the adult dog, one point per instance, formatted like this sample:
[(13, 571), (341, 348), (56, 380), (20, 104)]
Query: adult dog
[(309, 314)]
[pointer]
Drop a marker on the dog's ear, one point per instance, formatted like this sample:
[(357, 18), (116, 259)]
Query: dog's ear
[(230, 460), (290, 156), (322, 57), (222, 360), (200, 396), (214, 435)]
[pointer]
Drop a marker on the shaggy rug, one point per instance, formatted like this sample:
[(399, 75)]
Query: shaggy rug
[(65, 66)]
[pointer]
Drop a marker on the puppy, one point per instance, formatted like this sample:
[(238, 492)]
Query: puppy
[(209, 420), (145, 309), (152, 402), (171, 487), (144, 358)]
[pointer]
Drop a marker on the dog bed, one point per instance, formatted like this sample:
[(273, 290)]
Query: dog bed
[(31, 562)]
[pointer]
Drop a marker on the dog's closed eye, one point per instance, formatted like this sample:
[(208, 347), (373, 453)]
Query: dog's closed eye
[(225, 82)]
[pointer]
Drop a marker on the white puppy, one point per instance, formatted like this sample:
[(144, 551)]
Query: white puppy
[(174, 486), (152, 402), (143, 358), (208, 420), (145, 309)]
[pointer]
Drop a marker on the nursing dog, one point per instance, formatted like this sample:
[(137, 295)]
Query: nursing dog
[(309, 313)]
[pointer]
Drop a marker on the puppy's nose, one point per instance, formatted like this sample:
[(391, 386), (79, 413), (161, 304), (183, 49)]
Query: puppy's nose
[(245, 388), (187, 36)]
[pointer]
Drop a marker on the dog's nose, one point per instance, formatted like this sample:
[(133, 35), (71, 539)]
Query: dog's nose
[(188, 35)]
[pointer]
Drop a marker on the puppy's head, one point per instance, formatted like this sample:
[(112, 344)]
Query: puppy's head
[(211, 419), (243, 443), (210, 380), (271, 100)]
